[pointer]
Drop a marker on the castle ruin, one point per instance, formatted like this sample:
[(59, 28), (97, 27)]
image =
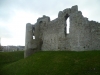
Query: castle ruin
[(52, 36)]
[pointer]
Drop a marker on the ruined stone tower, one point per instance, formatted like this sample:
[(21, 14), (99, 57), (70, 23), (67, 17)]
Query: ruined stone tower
[(51, 35)]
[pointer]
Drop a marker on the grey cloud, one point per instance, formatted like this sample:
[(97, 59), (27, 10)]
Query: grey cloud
[(47, 6), (40, 7), (6, 11), (4, 32)]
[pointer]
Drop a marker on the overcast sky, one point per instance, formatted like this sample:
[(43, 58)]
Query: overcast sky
[(14, 14)]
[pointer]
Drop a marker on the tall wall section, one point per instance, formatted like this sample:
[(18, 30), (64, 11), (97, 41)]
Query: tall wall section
[(95, 35), (79, 32), (53, 34), (29, 45), (55, 37)]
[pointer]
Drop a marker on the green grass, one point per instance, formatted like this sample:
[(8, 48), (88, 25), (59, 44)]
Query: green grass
[(10, 57), (54, 63)]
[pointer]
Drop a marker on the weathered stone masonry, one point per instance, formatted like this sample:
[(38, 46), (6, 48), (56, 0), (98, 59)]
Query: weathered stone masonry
[(51, 35)]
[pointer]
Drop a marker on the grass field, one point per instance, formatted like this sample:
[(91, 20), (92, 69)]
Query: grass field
[(10, 57), (51, 63)]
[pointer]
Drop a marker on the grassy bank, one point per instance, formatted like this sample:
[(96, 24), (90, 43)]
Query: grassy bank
[(10, 57), (54, 63)]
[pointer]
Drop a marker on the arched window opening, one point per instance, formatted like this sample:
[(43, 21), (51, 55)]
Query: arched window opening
[(67, 20)]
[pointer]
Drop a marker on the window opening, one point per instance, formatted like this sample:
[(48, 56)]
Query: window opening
[(67, 25), (33, 37), (67, 19)]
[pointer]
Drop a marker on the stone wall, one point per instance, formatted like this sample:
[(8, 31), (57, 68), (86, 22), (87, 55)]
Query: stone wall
[(79, 32), (52, 36), (95, 35)]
